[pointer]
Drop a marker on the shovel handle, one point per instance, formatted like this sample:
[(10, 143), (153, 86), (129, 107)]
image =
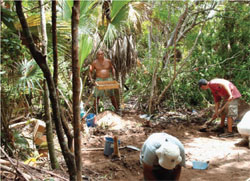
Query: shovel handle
[(224, 106), (219, 112)]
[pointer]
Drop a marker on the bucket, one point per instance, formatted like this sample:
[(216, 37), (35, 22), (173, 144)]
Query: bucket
[(199, 165), (109, 146), (90, 120)]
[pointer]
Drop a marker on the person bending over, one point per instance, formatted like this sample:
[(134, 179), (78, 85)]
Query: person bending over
[(162, 157), (223, 91)]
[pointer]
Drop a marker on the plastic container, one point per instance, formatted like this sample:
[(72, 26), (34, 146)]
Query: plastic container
[(244, 125), (90, 120), (109, 146), (198, 165), (82, 111)]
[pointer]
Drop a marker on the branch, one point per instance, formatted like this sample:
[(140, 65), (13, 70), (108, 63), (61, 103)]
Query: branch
[(176, 73), (216, 64), (180, 22), (12, 163), (32, 167), (31, 45), (191, 51)]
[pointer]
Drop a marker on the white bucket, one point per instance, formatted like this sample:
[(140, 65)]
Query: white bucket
[(244, 125)]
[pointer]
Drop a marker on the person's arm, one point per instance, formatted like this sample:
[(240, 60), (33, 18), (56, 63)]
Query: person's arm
[(112, 69), (148, 172), (216, 108), (227, 88)]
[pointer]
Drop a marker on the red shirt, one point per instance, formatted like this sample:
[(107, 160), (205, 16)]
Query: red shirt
[(218, 90)]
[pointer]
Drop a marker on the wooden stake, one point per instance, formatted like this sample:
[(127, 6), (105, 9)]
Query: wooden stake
[(116, 148)]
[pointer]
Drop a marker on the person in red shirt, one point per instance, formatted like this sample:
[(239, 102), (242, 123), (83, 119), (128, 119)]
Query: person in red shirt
[(223, 90)]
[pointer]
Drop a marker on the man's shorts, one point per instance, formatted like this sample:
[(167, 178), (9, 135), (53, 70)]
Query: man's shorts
[(231, 110), (102, 93)]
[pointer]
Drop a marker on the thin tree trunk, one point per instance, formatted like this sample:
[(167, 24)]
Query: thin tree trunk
[(67, 130), (154, 77), (181, 67), (49, 132), (41, 61), (54, 42), (172, 41), (76, 88)]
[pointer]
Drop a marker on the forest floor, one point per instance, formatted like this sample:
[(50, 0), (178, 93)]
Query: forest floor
[(226, 161)]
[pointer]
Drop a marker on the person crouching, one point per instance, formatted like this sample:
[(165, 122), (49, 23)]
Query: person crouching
[(162, 157)]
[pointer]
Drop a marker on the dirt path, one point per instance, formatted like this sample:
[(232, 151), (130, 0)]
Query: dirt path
[(226, 162)]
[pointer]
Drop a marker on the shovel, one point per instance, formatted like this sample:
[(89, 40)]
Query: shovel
[(130, 147), (205, 125)]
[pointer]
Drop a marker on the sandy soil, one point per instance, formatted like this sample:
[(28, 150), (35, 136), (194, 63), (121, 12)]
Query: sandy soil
[(226, 162)]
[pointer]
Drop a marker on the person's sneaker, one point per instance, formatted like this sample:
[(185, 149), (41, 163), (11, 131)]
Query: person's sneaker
[(243, 143), (218, 129)]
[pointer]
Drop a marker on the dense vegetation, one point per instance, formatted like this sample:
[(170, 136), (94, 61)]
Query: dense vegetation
[(159, 49)]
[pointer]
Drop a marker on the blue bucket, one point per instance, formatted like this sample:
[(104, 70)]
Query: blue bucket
[(90, 120), (198, 165), (109, 146)]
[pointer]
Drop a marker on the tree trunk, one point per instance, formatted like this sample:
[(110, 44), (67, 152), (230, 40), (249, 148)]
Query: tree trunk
[(67, 130), (172, 41), (54, 42), (76, 89), (41, 61), (49, 132)]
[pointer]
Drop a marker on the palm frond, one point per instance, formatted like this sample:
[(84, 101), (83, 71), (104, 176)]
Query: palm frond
[(28, 75), (117, 7), (85, 48), (110, 34), (123, 54)]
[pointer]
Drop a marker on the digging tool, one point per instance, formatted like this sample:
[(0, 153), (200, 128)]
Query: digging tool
[(131, 147), (208, 122)]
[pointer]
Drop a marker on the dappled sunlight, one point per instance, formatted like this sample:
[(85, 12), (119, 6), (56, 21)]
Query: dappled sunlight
[(223, 158), (197, 148)]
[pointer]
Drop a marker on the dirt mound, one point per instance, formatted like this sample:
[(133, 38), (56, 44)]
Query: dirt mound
[(226, 162)]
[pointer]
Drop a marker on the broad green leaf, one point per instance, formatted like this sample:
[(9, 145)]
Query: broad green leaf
[(121, 16), (116, 7), (86, 6), (85, 47)]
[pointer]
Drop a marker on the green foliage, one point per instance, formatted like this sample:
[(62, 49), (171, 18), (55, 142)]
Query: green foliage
[(29, 75), (85, 47), (222, 51), (12, 49), (21, 145), (229, 57), (118, 11)]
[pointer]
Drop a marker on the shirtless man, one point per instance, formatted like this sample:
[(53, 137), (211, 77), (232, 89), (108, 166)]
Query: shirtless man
[(103, 70)]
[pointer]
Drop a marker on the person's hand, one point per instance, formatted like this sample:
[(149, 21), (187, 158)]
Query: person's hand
[(230, 98), (92, 81)]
